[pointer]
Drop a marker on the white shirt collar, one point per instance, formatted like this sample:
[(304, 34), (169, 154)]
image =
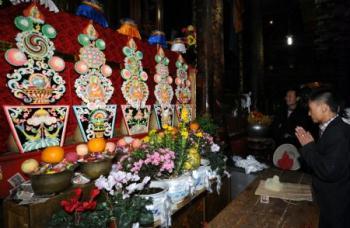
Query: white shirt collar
[(323, 126)]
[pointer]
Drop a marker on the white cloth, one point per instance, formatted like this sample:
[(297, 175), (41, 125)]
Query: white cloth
[(250, 164)]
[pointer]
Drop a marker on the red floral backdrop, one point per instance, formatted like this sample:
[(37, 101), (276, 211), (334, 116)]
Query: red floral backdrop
[(68, 27)]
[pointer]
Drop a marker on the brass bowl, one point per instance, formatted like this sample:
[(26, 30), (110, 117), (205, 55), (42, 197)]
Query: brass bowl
[(51, 183), (258, 130), (94, 170)]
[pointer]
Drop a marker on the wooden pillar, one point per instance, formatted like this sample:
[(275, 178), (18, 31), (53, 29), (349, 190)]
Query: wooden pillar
[(203, 10), (217, 58), (209, 24), (255, 48)]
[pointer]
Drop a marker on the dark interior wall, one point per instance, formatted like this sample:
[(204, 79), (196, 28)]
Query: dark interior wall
[(321, 45), (177, 15), (286, 66)]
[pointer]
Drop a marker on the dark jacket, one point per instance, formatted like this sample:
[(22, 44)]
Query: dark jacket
[(284, 126), (329, 160)]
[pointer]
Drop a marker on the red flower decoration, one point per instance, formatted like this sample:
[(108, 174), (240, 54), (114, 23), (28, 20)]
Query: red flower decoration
[(74, 205)]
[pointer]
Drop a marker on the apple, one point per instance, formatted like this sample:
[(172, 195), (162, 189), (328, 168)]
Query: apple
[(82, 150), (121, 142), (71, 157), (136, 143), (30, 166), (110, 147)]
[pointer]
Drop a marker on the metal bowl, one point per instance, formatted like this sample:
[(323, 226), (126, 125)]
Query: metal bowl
[(51, 183), (94, 170), (258, 130)]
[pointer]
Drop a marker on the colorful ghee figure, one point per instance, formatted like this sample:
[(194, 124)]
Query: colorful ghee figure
[(96, 118), (134, 90), (94, 89), (182, 91), (37, 81), (163, 91)]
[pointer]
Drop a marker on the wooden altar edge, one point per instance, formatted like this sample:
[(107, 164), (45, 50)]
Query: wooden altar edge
[(37, 215)]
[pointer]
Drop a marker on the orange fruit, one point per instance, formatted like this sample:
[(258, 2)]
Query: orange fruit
[(96, 145), (194, 126), (52, 154)]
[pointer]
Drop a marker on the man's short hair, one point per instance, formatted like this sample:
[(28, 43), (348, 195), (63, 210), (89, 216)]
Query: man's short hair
[(294, 90), (328, 97)]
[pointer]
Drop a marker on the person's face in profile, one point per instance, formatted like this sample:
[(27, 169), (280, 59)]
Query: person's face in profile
[(291, 98), (317, 110)]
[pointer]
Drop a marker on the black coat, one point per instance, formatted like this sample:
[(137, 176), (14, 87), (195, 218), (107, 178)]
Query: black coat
[(329, 159), (284, 127)]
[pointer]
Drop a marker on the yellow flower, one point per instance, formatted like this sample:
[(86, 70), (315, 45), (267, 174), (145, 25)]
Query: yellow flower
[(152, 132), (165, 126), (191, 40), (187, 166), (161, 134), (192, 151), (185, 115), (199, 134), (184, 134), (146, 139)]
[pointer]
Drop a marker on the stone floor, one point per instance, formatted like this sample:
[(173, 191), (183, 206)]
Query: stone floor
[(239, 181)]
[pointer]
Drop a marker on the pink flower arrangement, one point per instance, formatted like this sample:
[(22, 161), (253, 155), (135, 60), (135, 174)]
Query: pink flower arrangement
[(149, 162)]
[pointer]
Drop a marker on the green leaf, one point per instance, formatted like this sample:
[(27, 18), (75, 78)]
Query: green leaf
[(125, 220), (146, 218)]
